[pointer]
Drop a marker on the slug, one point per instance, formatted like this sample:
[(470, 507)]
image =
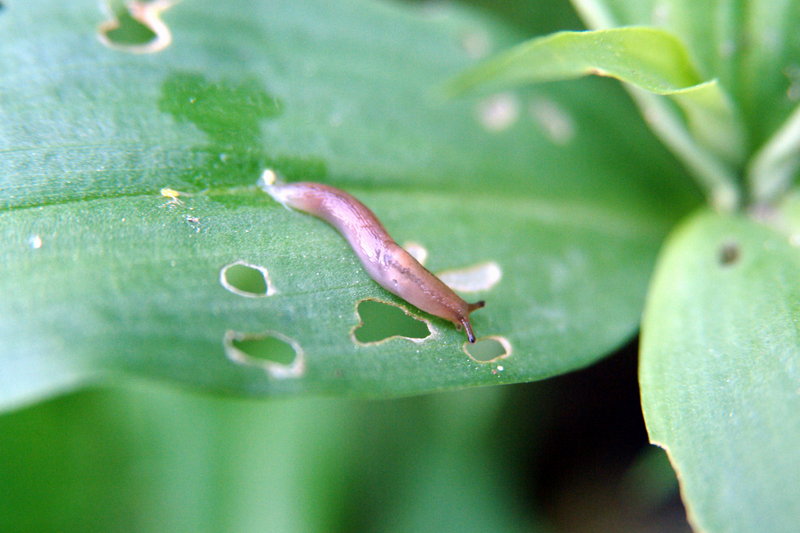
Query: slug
[(383, 259)]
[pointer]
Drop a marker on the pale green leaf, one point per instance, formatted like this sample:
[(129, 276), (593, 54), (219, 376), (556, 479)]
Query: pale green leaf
[(649, 59), (720, 371), (752, 48)]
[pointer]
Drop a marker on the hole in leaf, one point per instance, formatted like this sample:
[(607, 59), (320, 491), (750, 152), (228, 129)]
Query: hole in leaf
[(136, 26), (245, 279), (266, 349), (488, 349), (729, 253), (554, 121), (498, 112), (279, 355), (417, 251), (379, 321), (480, 277), (476, 43)]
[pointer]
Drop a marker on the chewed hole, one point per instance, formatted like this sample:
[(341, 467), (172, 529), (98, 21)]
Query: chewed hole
[(480, 277), (488, 349), (499, 112), (556, 123), (379, 321), (246, 279), (417, 251), (136, 26), (729, 253), (129, 31), (476, 44), (266, 349), (279, 355)]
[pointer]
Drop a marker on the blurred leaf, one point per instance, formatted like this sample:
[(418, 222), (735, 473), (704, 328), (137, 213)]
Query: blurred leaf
[(106, 275), (775, 166), (751, 47), (533, 17), (720, 371), (149, 459), (146, 458), (647, 58)]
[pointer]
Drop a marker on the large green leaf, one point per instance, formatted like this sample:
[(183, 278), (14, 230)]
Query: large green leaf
[(720, 370), (102, 274)]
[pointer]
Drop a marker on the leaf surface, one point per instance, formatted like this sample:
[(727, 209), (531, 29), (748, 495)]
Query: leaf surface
[(128, 185), (720, 370)]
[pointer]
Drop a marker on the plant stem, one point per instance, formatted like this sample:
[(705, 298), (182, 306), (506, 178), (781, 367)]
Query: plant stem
[(715, 177), (775, 164)]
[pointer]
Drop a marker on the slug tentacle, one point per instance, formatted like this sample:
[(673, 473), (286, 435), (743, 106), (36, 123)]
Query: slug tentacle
[(385, 261), (476, 305)]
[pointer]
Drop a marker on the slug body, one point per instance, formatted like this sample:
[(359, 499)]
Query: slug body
[(385, 261)]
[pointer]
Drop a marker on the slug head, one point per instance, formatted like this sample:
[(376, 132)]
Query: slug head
[(465, 320)]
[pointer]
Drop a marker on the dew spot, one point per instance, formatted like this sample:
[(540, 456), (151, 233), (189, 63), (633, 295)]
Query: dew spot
[(136, 26), (488, 350), (476, 278), (35, 242), (498, 112), (380, 321), (417, 251), (729, 254), (554, 121), (280, 356), (246, 279)]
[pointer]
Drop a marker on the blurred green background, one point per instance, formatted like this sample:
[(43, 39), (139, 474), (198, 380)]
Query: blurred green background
[(567, 454)]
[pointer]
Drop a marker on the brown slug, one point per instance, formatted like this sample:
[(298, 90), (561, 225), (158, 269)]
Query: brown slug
[(385, 261)]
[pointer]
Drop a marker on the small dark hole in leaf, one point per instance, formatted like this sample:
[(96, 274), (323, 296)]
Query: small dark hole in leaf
[(486, 350), (266, 349), (381, 321), (246, 278), (729, 253)]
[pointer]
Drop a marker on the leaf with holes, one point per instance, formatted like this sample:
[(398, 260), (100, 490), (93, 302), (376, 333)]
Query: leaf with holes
[(136, 242), (720, 371)]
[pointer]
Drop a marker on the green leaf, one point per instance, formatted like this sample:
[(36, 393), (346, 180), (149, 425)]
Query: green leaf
[(775, 166), (751, 47), (720, 371), (649, 59), (128, 188)]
